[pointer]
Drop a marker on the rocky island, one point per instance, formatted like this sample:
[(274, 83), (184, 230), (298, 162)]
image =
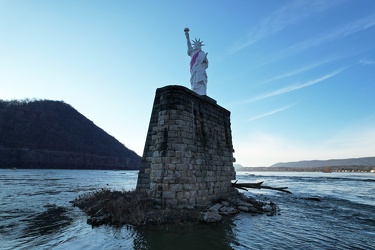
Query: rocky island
[(186, 174)]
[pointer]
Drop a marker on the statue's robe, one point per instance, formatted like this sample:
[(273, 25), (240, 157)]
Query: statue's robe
[(198, 73)]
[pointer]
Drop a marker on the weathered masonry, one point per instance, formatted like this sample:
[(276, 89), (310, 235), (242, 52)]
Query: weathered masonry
[(188, 154)]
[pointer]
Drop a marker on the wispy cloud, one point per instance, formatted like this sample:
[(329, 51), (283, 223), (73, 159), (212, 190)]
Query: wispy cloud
[(293, 87), (367, 62), (341, 32), (269, 113), (297, 71), (287, 15)]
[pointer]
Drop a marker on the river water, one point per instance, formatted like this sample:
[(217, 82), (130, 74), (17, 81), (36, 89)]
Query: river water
[(35, 213)]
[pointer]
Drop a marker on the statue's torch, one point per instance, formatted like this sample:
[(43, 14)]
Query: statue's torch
[(186, 30)]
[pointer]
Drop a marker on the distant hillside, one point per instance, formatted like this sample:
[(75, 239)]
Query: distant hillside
[(353, 164), (237, 166), (52, 134), (366, 161)]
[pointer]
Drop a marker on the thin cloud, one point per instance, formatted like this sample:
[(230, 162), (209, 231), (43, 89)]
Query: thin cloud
[(269, 113), (295, 72), (287, 15), (366, 62), (342, 32), (293, 87)]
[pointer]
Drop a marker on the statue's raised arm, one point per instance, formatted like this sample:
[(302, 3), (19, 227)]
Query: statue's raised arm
[(190, 48), (198, 65)]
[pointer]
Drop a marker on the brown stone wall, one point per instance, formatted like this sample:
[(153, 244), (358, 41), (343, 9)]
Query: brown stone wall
[(188, 154)]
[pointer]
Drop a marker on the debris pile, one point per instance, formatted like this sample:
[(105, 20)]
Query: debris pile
[(137, 208)]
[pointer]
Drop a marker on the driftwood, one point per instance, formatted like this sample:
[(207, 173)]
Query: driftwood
[(258, 185)]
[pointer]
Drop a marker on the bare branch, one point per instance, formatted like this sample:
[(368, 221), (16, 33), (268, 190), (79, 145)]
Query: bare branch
[(258, 185)]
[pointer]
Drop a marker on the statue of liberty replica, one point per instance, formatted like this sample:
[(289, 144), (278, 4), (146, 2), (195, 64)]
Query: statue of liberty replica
[(198, 65)]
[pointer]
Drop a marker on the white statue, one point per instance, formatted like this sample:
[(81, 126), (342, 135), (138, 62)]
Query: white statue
[(198, 65)]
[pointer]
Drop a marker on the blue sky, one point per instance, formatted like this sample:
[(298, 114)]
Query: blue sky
[(297, 76)]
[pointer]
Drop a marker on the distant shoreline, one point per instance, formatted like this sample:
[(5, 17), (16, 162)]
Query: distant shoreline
[(342, 169)]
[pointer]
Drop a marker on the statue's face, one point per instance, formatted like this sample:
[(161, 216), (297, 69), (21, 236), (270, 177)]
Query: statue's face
[(197, 44)]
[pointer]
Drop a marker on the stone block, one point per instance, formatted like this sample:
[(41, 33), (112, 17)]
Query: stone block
[(173, 134), (183, 202), (202, 185), (179, 154), (216, 207), (190, 187), (179, 146), (202, 193), (156, 172), (187, 154), (211, 216), (154, 186), (184, 180), (175, 187), (156, 179), (175, 128), (170, 166), (175, 160), (199, 173), (169, 180), (243, 208), (181, 122), (171, 202), (185, 160), (210, 179), (189, 194), (182, 167), (170, 153), (169, 195), (202, 200), (180, 195), (156, 160), (157, 167), (192, 201), (200, 161)]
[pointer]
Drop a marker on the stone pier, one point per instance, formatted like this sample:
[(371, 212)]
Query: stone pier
[(188, 154)]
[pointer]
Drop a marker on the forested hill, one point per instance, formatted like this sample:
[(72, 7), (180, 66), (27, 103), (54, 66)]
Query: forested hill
[(52, 134), (364, 164)]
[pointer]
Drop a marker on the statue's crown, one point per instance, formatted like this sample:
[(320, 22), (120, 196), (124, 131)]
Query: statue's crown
[(197, 43)]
